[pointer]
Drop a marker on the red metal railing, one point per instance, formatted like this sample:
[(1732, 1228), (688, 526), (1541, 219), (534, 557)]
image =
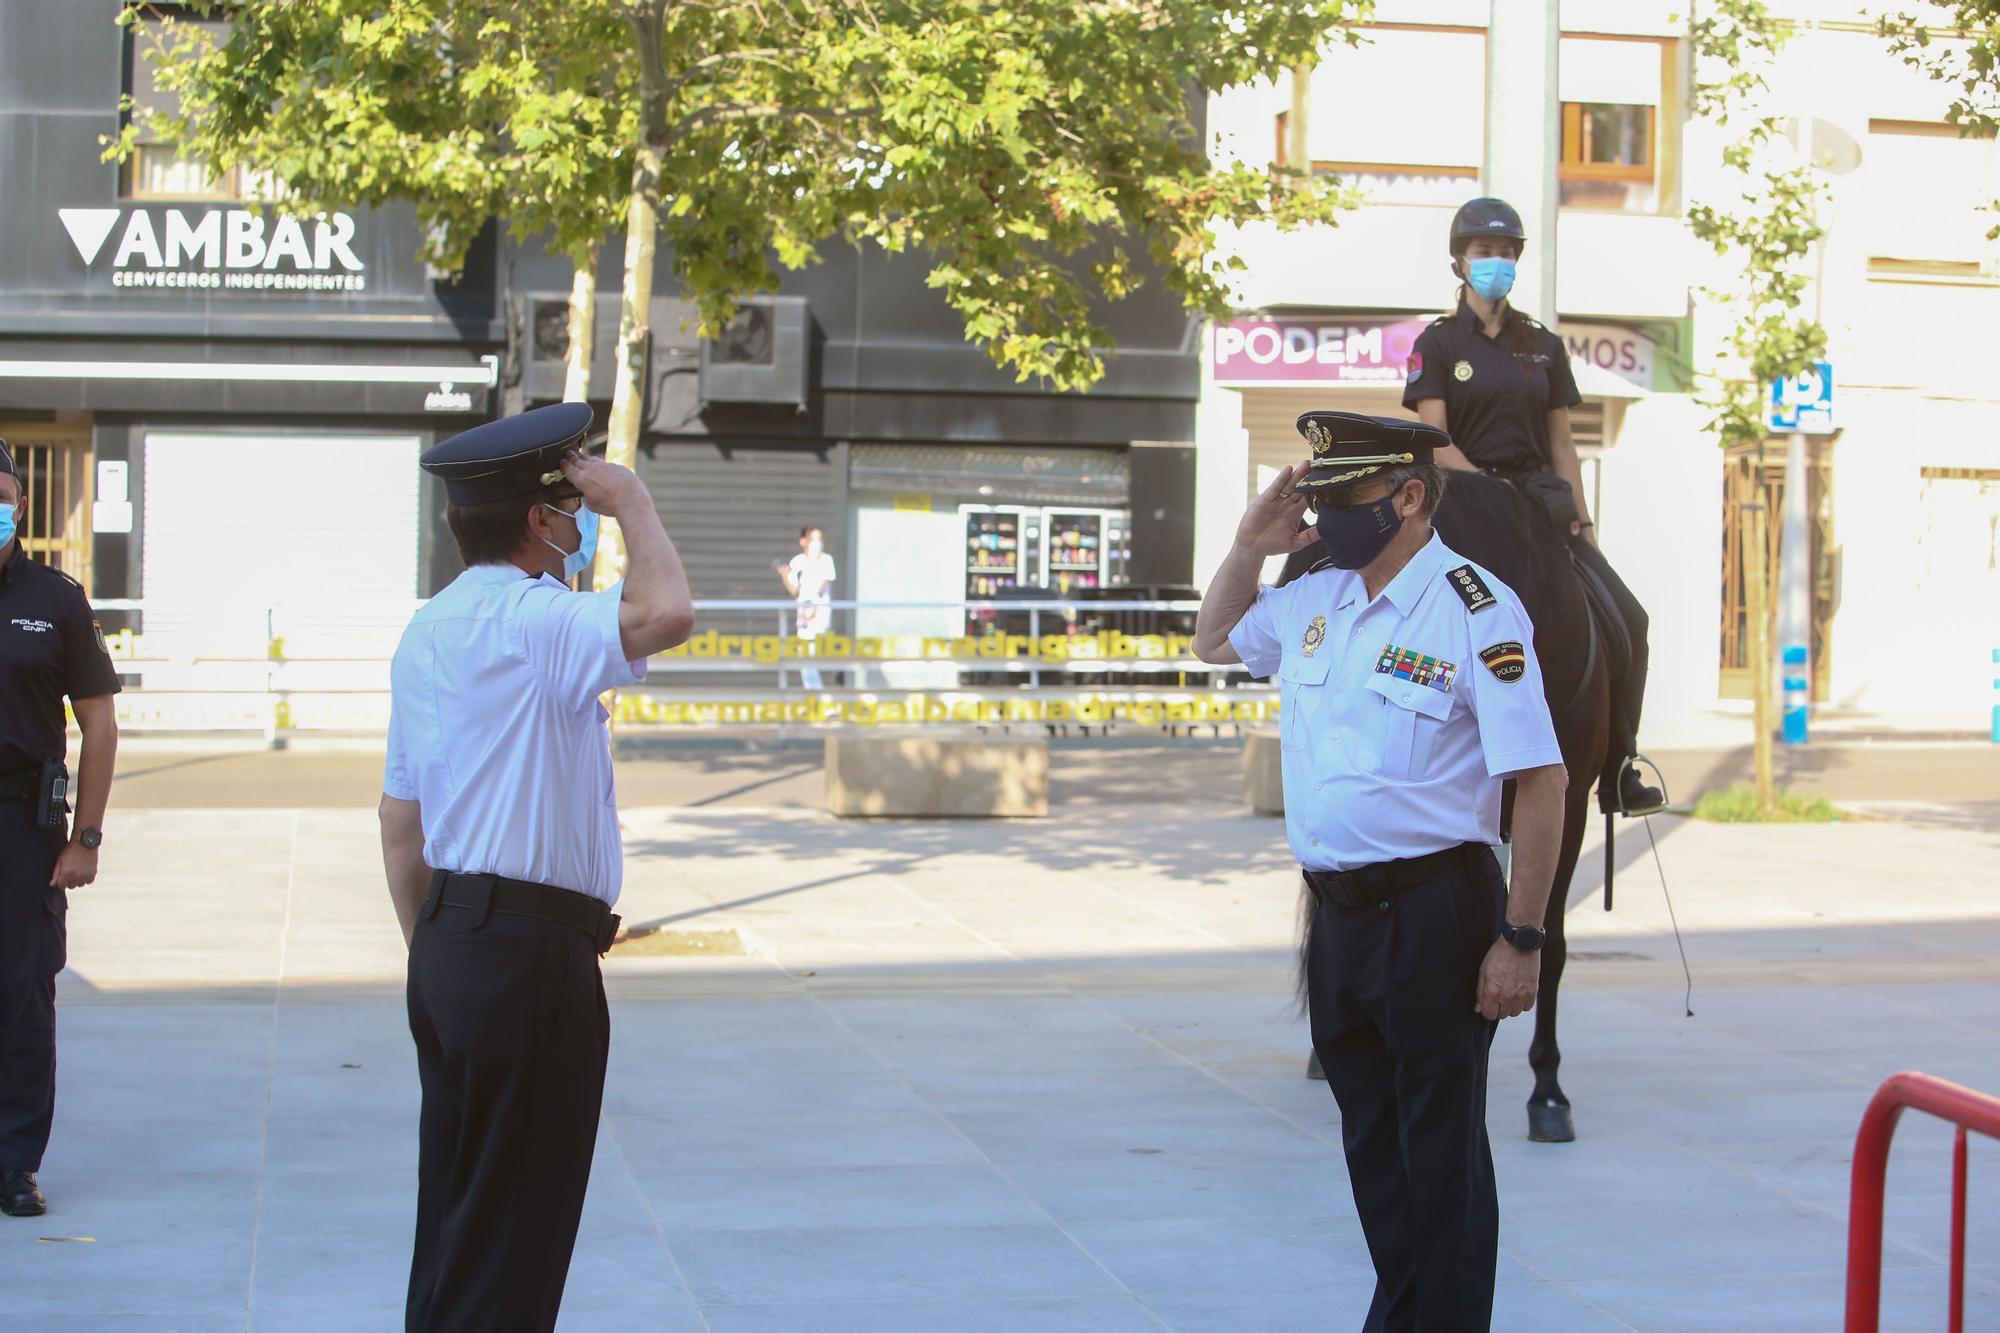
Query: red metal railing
[(1961, 1106)]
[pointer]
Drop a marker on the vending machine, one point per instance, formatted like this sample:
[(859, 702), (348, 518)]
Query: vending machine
[(1077, 550), (998, 540)]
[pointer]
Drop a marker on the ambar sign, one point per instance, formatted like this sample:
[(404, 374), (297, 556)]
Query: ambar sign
[(219, 249)]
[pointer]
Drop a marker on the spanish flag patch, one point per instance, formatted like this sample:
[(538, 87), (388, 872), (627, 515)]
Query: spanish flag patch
[(1508, 661)]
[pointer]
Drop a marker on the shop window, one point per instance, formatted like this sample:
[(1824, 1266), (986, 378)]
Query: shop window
[(1751, 477), (1607, 156), (1613, 91), (54, 462), (1927, 202), (1402, 117), (158, 170)]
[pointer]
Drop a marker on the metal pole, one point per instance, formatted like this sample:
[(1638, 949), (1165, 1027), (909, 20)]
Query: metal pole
[(1795, 549), (1524, 133), (1756, 577), (1795, 593)]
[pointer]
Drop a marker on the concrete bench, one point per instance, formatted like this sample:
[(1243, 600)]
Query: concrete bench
[(1264, 773), (970, 776)]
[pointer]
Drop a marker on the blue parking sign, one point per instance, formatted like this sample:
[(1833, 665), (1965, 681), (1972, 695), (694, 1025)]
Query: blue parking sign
[(1803, 403)]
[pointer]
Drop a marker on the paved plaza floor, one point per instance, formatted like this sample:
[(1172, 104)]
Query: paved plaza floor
[(1035, 1075)]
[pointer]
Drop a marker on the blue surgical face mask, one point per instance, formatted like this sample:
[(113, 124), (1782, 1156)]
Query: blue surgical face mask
[(586, 551), (1354, 537), (6, 524), (1492, 278)]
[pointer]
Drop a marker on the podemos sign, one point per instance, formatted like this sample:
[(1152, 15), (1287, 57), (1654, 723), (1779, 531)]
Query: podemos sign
[(219, 249), (1372, 350)]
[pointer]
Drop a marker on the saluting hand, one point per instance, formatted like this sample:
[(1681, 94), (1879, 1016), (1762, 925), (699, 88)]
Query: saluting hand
[(606, 487), (1270, 525), (1508, 980)]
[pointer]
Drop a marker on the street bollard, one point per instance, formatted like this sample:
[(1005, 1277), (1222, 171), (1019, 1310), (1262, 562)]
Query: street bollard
[(1798, 695), (1996, 707)]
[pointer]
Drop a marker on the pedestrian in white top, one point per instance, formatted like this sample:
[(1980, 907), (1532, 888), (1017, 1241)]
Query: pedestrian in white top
[(809, 579), (500, 838)]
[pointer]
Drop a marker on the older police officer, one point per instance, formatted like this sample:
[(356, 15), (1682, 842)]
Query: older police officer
[(500, 838), (50, 647), (1410, 691)]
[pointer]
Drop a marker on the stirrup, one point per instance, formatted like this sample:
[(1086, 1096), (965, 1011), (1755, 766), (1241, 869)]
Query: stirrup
[(1647, 799)]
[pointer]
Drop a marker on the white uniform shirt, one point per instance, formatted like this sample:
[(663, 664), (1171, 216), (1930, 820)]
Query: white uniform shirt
[(813, 574), (1386, 755), (496, 731)]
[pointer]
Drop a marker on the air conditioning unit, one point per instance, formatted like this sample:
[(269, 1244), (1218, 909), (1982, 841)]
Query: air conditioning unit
[(543, 321), (764, 355)]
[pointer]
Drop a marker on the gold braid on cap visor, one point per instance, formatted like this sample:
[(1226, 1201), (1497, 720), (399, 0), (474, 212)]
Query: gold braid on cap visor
[(1368, 463)]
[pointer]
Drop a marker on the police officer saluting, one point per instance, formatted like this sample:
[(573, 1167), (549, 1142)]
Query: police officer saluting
[(1410, 690), (50, 646), (500, 839)]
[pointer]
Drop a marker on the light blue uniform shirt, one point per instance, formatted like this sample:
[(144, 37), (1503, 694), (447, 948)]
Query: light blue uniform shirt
[(1399, 716), (495, 729)]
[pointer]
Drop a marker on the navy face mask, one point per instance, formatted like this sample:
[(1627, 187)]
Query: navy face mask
[(1355, 535)]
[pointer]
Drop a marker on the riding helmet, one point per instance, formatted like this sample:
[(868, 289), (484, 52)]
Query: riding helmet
[(1485, 216)]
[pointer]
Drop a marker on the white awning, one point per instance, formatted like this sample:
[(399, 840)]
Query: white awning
[(485, 373), (1597, 382)]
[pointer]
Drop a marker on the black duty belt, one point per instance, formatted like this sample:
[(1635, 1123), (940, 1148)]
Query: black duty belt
[(1368, 886), (23, 784), (480, 894)]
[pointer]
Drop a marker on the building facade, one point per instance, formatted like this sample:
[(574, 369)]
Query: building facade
[(1904, 496), (220, 408)]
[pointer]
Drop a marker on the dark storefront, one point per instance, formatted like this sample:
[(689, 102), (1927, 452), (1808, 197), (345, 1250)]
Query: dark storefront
[(217, 400)]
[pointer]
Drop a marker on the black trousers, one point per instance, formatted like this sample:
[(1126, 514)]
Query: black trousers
[(1390, 991), (34, 945), (1628, 688), (512, 1035)]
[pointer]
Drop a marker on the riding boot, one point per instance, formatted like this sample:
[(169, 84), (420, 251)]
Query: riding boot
[(1620, 789), (1633, 794)]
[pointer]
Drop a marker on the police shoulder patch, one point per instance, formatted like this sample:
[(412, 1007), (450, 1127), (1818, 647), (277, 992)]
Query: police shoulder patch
[(1466, 583), (1507, 660), (98, 630)]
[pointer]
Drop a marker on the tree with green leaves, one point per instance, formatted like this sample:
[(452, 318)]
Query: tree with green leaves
[(1956, 43), (1033, 151), (474, 116), (1769, 227)]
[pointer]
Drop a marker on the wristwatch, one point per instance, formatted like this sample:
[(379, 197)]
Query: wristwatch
[(1528, 939), (90, 839)]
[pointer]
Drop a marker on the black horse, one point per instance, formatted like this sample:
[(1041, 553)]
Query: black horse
[(1490, 523)]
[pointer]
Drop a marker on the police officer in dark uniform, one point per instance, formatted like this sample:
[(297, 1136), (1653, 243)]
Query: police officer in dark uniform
[(1409, 693), (50, 646), (1501, 385), (500, 837)]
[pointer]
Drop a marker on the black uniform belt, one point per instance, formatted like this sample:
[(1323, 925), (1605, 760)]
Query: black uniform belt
[(480, 894), (21, 784), (1370, 885)]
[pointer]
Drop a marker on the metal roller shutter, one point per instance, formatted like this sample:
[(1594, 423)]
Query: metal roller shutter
[(733, 510), (1098, 478), (1270, 417), (310, 537)]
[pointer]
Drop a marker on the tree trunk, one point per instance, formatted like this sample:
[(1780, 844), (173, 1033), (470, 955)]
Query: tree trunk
[(1297, 147), (642, 225), (582, 327), (1756, 578)]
